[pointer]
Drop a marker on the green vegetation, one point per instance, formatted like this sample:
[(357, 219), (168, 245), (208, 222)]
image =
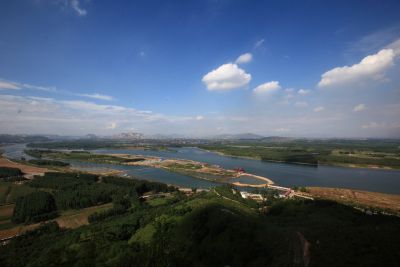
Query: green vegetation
[(10, 192), (209, 230), (7, 172), (228, 191), (46, 162), (356, 153), (79, 156), (80, 144), (34, 207)]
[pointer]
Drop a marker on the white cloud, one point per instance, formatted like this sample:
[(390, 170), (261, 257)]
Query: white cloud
[(97, 96), (395, 45), (226, 77), (40, 88), (51, 89), (303, 92), (318, 109), (301, 104), (267, 88), (371, 66), (259, 43), (199, 118), (76, 6), (359, 107), (26, 114), (245, 58), (16, 85), (9, 85)]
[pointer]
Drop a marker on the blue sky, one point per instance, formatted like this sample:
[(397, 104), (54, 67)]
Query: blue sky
[(199, 68)]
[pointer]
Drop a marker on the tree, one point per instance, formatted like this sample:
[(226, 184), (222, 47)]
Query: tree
[(34, 207)]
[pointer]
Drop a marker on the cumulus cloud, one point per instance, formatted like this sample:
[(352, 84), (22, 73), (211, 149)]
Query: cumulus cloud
[(359, 108), (319, 109), (226, 77), (395, 45), (76, 6), (267, 88), (97, 96), (371, 66), (245, 58), (9, 85), (303, 92)]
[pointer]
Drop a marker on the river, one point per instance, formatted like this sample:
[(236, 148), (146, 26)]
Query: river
[(385, 181)]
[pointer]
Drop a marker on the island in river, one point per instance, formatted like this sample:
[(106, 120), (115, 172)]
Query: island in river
[(192, 168)]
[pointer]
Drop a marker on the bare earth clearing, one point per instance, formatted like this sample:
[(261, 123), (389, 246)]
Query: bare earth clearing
[(29, 171), (383, 201)]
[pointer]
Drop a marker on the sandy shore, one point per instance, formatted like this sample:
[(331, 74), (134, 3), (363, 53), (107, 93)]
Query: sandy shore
[(29, 171)]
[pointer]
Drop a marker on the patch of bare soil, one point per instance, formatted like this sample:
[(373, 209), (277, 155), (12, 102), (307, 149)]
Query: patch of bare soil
[(29, 171), (381, 201)]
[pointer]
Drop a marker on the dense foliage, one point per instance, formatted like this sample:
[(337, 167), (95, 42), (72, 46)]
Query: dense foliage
[(34, 207), (207, 230), (47, 162), (140, 186), (80, 190), (6, 172), (58, 180), (384, 153), (78, 155)]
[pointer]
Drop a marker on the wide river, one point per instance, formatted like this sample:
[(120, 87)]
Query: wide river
[(386, 181)]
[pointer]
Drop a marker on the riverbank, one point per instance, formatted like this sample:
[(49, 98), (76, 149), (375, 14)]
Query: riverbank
[(28, 170), (335, 164)]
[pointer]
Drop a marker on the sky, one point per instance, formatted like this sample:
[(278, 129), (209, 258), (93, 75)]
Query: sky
[(200, 68)]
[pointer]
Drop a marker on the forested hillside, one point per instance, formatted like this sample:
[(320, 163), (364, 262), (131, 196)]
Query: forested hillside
[(200, 229)]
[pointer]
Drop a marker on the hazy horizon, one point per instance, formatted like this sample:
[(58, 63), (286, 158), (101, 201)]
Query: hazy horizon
[(203, 68)]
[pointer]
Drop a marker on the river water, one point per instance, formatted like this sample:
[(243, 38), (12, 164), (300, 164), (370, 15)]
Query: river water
[(385, 181)]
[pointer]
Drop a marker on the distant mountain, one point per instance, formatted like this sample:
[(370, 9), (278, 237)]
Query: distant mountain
[(246, 136), (277, 139), (165, 136), (128, 136), (8, 138)]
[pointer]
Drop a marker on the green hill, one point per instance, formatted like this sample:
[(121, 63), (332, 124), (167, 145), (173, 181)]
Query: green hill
[(207, 230)]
